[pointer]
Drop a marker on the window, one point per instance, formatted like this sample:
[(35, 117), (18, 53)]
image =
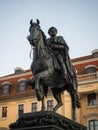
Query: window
[(49, 105), (22, 86), (90, 69), (91, 98), (93, 125), (34, 107), (6, 89), (4, 111), (20, 109)]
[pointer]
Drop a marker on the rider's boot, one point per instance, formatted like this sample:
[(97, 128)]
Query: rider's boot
[(65, 75)]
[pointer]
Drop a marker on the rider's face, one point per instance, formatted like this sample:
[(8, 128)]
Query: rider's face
[(53, 32)]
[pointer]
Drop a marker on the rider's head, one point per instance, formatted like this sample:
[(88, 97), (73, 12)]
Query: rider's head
[(52, 31)]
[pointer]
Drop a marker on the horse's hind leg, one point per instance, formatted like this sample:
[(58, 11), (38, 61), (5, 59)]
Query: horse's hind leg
[(43, 100), (73, 99), (57, 96)]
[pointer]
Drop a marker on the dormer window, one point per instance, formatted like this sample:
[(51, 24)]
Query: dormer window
[(22, 85), (6, 88), (19, 70), (90, 69), (95, 53)]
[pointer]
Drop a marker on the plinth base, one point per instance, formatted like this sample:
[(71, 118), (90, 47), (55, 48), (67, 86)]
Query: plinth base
[(46, 120), (47, 127)]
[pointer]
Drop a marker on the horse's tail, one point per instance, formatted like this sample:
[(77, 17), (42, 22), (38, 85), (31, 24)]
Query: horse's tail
[(74, 96), (77, 101)]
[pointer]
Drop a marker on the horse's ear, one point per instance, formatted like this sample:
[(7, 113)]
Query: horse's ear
[(38, 22), (31, 21)]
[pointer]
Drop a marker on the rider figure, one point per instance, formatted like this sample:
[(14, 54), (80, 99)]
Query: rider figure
[(58, 45), (60, 50)]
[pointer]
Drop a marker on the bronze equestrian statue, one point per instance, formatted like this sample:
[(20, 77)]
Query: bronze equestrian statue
[(52, 67)]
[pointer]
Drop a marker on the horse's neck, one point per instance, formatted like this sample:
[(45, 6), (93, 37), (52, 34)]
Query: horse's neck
[(41, 43), (41, 46), (37, 50)]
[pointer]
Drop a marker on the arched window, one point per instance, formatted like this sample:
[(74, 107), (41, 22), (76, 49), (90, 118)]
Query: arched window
[(6, 88), (22, 85), (90, 69), (93, 124)]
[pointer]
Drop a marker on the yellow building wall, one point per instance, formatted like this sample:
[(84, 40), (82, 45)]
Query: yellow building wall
[(88, 112), (82, 114), (12, 108)]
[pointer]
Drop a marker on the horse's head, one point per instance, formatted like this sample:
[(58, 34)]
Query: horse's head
[(35, 32)]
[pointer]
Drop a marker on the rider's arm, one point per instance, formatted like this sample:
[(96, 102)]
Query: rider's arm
[(63, 42), (57, 46)]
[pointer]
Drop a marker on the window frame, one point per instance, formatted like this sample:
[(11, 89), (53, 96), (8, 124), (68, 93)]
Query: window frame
[(94, 126), (90, 69), (93, 101), (19, 105), (4, 114), (34, 108), (49, 105), (20, 87), (6, 89)]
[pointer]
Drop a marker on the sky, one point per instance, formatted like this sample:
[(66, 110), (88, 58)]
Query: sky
[(75, 20)]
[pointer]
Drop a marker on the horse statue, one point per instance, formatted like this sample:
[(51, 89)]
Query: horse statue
[(45, 74)]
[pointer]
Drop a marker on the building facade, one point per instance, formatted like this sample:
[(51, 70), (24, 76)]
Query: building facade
[(16, 97)]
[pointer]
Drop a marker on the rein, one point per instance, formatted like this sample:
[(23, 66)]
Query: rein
[(31, 52)]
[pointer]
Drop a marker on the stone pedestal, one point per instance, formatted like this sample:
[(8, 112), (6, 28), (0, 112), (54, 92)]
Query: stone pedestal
[(46, 120)]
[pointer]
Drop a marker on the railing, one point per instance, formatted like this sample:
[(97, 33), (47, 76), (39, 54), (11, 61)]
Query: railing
[(87, 76)]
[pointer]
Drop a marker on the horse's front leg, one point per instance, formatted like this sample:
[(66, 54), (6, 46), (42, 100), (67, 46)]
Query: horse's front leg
[(57, 96), (39, 76)]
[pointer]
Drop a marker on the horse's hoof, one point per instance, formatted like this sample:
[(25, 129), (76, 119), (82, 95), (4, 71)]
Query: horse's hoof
[(54, 110), (57, 106), (42, 109), (74, 119)]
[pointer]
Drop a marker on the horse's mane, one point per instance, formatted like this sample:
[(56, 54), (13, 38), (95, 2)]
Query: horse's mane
[(44, 37)]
